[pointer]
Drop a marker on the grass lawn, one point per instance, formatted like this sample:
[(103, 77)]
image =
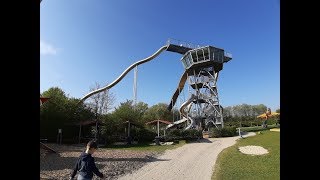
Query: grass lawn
[(232, 164), (147, 147)]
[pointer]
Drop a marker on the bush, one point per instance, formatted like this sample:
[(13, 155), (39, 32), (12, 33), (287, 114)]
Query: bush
[(224, 132), (177, 134), (111, 139), (174, 133), (256, 123), (145, 135), (215, 133), (228, 131), (233, 123), (191, 134), (170, 138), (272, 121)]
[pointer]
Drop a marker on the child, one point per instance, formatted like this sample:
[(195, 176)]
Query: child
[(86, 165)]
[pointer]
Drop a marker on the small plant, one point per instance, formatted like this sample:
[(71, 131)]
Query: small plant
[(228, 131)]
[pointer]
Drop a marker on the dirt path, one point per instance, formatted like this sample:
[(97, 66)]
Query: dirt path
[(191, 161)]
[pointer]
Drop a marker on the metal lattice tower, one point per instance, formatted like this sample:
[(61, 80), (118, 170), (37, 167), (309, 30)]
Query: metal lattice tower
[(202, 65)]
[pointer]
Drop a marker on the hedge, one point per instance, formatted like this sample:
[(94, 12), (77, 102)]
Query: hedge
[(257, 128), (223, 132)]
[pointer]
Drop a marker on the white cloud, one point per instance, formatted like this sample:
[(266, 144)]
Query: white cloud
[(47, 49)]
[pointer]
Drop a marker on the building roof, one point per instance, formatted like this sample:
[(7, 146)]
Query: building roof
[(43, 100)]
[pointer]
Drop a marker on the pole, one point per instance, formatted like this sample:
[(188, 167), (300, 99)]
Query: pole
[(135, 86), (172, 108), (60, 136), (129, 137), (95, 136), (158, 127), (179, 100), (128, 128), (80, 133), (240, 132)]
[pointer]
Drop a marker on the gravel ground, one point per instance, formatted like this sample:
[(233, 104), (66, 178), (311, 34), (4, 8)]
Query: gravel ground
[(112, 163), (253, 150)]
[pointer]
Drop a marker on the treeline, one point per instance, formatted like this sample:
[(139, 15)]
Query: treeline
[(245, 115), (63, 112)]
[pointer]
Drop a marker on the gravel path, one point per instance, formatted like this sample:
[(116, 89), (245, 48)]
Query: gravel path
[(189, 162)]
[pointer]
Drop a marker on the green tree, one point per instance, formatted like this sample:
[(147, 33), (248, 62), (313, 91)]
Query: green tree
[(140, 109), (158, 111), (112, 127), (61, 112), (52, 112), (243, 114), (260, 109), (126, 112)]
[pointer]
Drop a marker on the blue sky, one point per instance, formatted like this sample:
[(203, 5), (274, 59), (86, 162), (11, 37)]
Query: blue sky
[(83, 42)]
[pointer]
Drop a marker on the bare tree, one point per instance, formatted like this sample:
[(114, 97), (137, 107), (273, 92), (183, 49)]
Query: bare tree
[(102, 102)]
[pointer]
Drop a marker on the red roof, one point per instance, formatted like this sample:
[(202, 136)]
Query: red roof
[(156, 121), (43, 99)]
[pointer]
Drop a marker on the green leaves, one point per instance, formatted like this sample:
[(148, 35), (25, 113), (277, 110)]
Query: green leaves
[(60, 112), (158, 111)]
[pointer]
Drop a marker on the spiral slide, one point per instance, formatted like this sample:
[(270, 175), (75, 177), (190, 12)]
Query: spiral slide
[(184, 113)]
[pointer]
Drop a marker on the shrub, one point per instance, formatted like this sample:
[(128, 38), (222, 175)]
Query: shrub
[(215, 133), (258, 128), (144, 135), (177, 134), (191, 134), (111, 139), (228, 131), (245, 124), (184, 134), (272, 121), (224, 132), (174, 133)]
